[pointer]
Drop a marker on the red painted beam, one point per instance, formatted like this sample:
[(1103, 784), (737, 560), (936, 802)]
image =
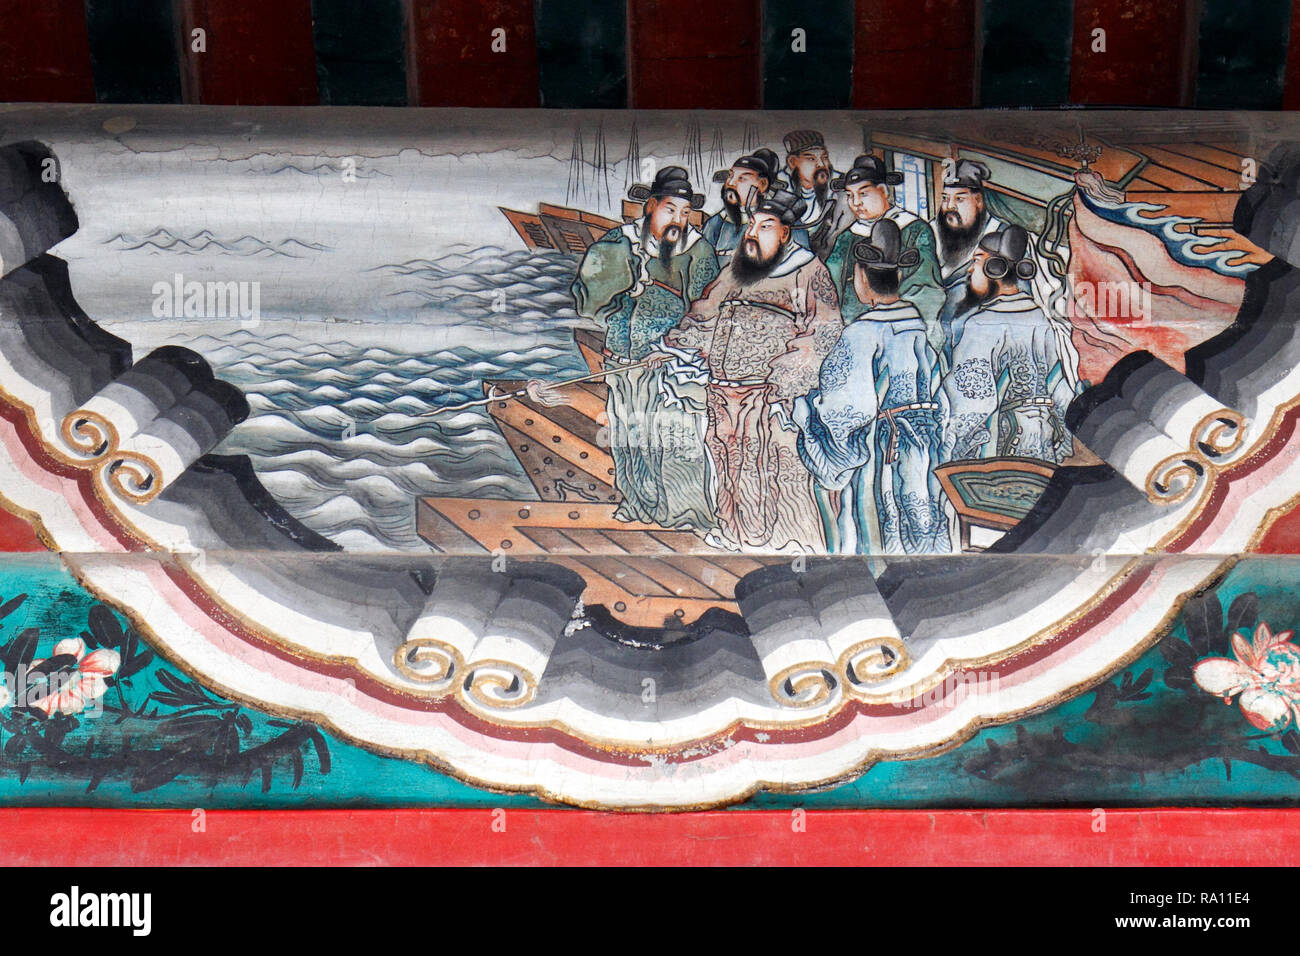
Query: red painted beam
[(257, 54), (17, 535), (1149, 57), (45, 51), (682, 55), (1081, 837), (456, 59), (915, 55)]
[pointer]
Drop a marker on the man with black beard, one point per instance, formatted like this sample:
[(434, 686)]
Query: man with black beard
[(964, 221), (748, 180), (826, 212), (757, 340), (636, 282), (1007, 389)]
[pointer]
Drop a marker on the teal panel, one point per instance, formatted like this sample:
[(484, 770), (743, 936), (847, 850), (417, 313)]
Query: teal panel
[(1026, 52), (813, 70), (582, 54), (134, 51), (360, 52), (1242, 53)]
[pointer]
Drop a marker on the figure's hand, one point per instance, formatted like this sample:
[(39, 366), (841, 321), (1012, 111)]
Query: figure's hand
[(656, 359)]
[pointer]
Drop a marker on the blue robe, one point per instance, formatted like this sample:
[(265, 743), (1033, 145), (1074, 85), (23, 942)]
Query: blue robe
[(1009, 385), (871, 430)]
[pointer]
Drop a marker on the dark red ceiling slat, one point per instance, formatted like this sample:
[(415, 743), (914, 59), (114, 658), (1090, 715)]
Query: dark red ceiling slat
[(1149, 55), (257, 54), (684, 55), (915, 54), (457, 57), (45, 52)]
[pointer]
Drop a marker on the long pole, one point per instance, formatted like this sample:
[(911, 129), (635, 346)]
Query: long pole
[(520, 393)]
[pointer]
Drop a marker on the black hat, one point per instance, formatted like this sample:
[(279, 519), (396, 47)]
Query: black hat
[(1007, 250), (796, 141), (969, 174), (867, 169), (884, 249), (785, 205), (669, 181), (762, 161)]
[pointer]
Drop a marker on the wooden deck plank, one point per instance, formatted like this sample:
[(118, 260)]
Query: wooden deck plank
[(625, 576), (1160, 177), (551, 540), (1213, 155), (548, 476), (679, 575), (664, 542), (1207, 173), (594, 541)]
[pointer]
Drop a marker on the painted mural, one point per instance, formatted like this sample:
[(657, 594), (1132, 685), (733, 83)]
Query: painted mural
[(647, 460)]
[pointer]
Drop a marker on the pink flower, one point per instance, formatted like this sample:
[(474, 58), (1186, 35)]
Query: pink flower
[(70, 691), (1266, 674)]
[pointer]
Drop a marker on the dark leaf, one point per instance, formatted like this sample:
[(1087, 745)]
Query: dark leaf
[(104, 625), (180, 693), (323, 753), (1177, 652), (1242, 614), (1203, 618), (1291, 741), (295, 759), (244, 723), (135, 663), (19, 653), (11, 605), (266, 777), (191, 724), (160, 772)]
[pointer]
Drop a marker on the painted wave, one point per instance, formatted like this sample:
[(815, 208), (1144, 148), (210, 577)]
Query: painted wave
[(526, 289), (1184, 246), (204, 242), (346, 435)]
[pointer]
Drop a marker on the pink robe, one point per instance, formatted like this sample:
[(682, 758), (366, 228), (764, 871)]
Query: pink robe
[(763, 346)]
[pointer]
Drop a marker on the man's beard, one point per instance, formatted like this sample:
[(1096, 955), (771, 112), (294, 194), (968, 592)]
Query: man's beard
[(667, 242), (973, 299), (748, 263), (731, 206), (821, 185), (959, 241)]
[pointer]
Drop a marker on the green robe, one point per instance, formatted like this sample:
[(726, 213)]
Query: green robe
[(657, 426), (921, 285), (632, 295)]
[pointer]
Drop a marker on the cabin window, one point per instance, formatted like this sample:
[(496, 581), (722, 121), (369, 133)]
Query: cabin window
[(913, 194)]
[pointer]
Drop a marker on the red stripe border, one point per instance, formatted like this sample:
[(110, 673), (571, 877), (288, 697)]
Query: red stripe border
[(1131, 837)]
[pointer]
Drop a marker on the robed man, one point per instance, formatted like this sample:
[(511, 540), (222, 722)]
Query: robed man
[(866, 188), (964, 220), (1008, 389), (757, 339), (826, 213), (750, 178), (870, 429), (636, 282)]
